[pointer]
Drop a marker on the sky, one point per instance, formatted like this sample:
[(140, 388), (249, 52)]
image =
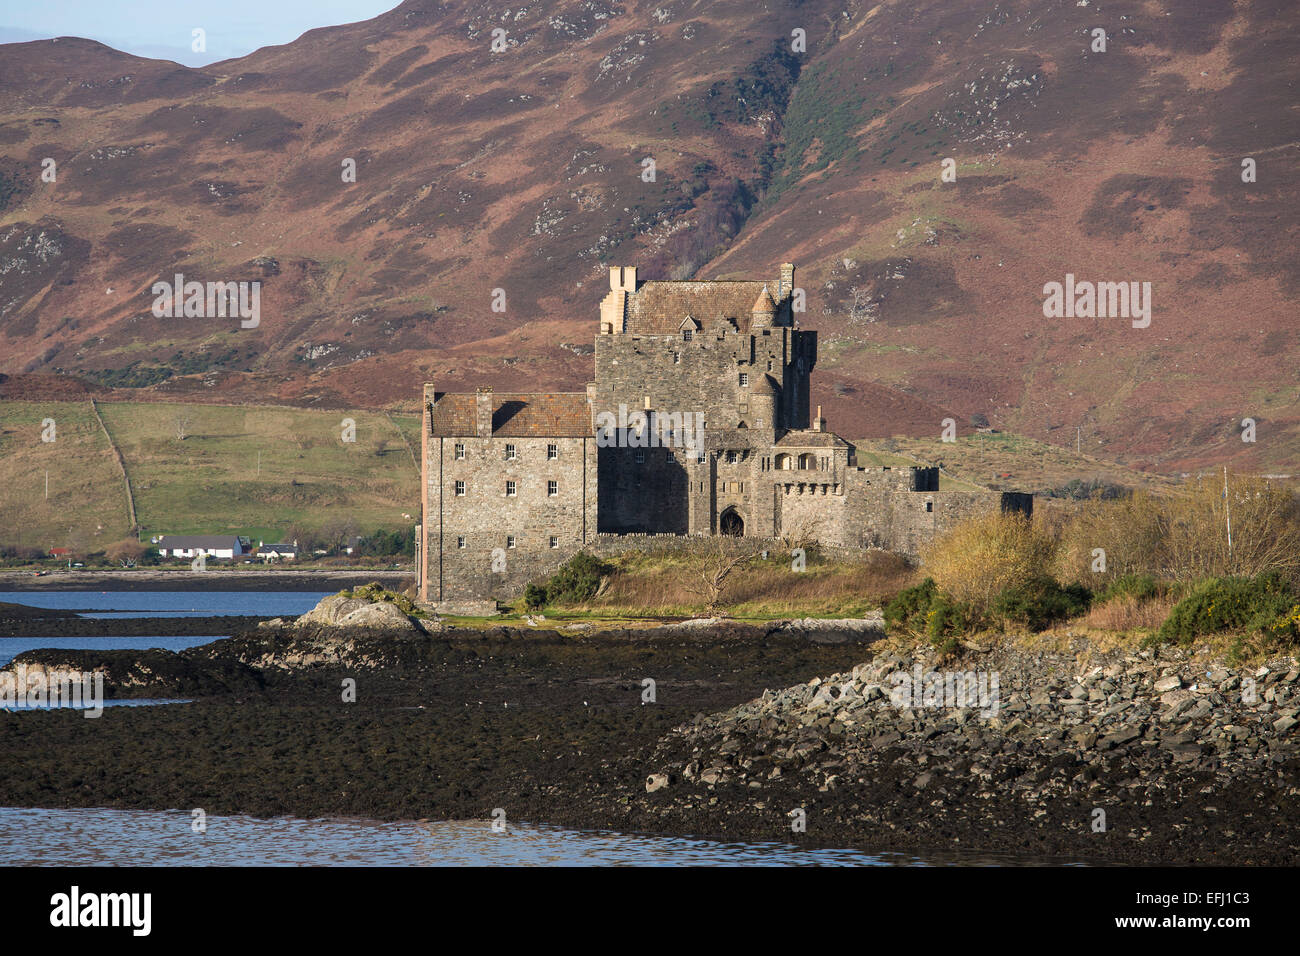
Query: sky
[(164, 28)]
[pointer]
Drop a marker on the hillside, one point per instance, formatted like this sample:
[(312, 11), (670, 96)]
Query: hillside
[(254, 470), (521, 171)]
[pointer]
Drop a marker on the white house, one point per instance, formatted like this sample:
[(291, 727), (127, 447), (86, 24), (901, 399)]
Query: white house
[(281, 552), (210, 545)]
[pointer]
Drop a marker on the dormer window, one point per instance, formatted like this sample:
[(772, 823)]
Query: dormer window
[(744, 379), (687, 334)]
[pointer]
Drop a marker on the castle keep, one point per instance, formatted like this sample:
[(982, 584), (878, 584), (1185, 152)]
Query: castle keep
[(698, 423)]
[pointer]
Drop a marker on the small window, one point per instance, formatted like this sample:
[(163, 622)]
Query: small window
[(510, 489), (744, 379), (510, 541), (640, 458), (510, 453), (671, 458), (552, 452), (460, 489), (460, 452), (677, 357), (929, 506), (552, 489), (687, 335), (700, 459), (731, 458), (554, 541), (460, 542)]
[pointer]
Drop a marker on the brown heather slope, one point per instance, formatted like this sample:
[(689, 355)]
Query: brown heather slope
[(520, 170)]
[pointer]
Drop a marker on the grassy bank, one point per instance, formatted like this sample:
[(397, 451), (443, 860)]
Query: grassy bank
[(198, 469)]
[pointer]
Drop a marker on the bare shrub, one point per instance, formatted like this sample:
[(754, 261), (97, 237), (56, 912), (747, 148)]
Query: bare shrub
[(979, 557), (1184, 536)]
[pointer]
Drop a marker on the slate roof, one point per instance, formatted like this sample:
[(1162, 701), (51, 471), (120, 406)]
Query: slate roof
[(213, 542), (515, 415), (807, 438), (659, 305)]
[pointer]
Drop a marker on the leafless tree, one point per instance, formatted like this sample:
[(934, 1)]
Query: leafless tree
[(182, 423), (720, 557), (801, 531)]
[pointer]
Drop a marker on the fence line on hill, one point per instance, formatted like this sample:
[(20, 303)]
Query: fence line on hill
[(402, 435), (121, 464)]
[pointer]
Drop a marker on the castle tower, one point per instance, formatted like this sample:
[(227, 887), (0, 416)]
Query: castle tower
[(763, 314)]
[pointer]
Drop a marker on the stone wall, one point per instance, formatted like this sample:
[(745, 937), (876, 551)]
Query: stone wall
[(487, 543)]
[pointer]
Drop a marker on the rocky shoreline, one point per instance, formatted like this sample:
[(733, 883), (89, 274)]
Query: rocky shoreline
[(1188, 761)]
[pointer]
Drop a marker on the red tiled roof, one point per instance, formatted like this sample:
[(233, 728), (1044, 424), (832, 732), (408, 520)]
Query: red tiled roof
[(515, 414), (659, 305)]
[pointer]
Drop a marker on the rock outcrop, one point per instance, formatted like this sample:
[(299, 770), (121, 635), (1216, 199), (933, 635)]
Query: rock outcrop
[(338, 610), (1038, 734)]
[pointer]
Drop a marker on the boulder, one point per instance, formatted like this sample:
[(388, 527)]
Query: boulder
[(339, 611)]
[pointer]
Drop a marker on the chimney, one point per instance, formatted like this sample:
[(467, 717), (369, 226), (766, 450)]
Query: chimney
[(622, 278), (483, 412), (785, 286), (819, 423), (647, 405)]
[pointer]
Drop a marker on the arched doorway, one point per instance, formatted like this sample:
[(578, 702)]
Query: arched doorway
[(731, 523)]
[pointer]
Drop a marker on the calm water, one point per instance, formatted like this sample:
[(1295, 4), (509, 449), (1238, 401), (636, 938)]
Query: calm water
[(10, 647), (172, 603), (145, 837)]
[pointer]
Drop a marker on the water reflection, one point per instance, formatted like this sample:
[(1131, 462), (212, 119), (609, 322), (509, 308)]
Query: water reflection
[(49, 837)]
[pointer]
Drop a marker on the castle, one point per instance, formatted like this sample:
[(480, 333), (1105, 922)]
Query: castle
[(698, 423)]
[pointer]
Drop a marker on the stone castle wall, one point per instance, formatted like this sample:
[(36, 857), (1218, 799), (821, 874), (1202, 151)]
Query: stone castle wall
[(488, 542)]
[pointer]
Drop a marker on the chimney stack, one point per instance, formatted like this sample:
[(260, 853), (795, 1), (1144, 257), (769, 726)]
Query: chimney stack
[(483, 412), (819, 423)]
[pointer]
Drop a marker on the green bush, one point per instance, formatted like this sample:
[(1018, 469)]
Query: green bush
[(909, 606), (1266, 604), (1140, 587), (535, 596), (923, 610), (1040, 602), (577, 580)]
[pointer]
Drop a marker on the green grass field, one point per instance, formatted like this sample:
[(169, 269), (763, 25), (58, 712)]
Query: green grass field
[(1002, 460), (255, 470)]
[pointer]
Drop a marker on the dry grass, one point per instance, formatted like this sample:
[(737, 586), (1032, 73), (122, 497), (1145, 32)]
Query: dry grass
[(665, 585), (1127, 613), (1183, 536)]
